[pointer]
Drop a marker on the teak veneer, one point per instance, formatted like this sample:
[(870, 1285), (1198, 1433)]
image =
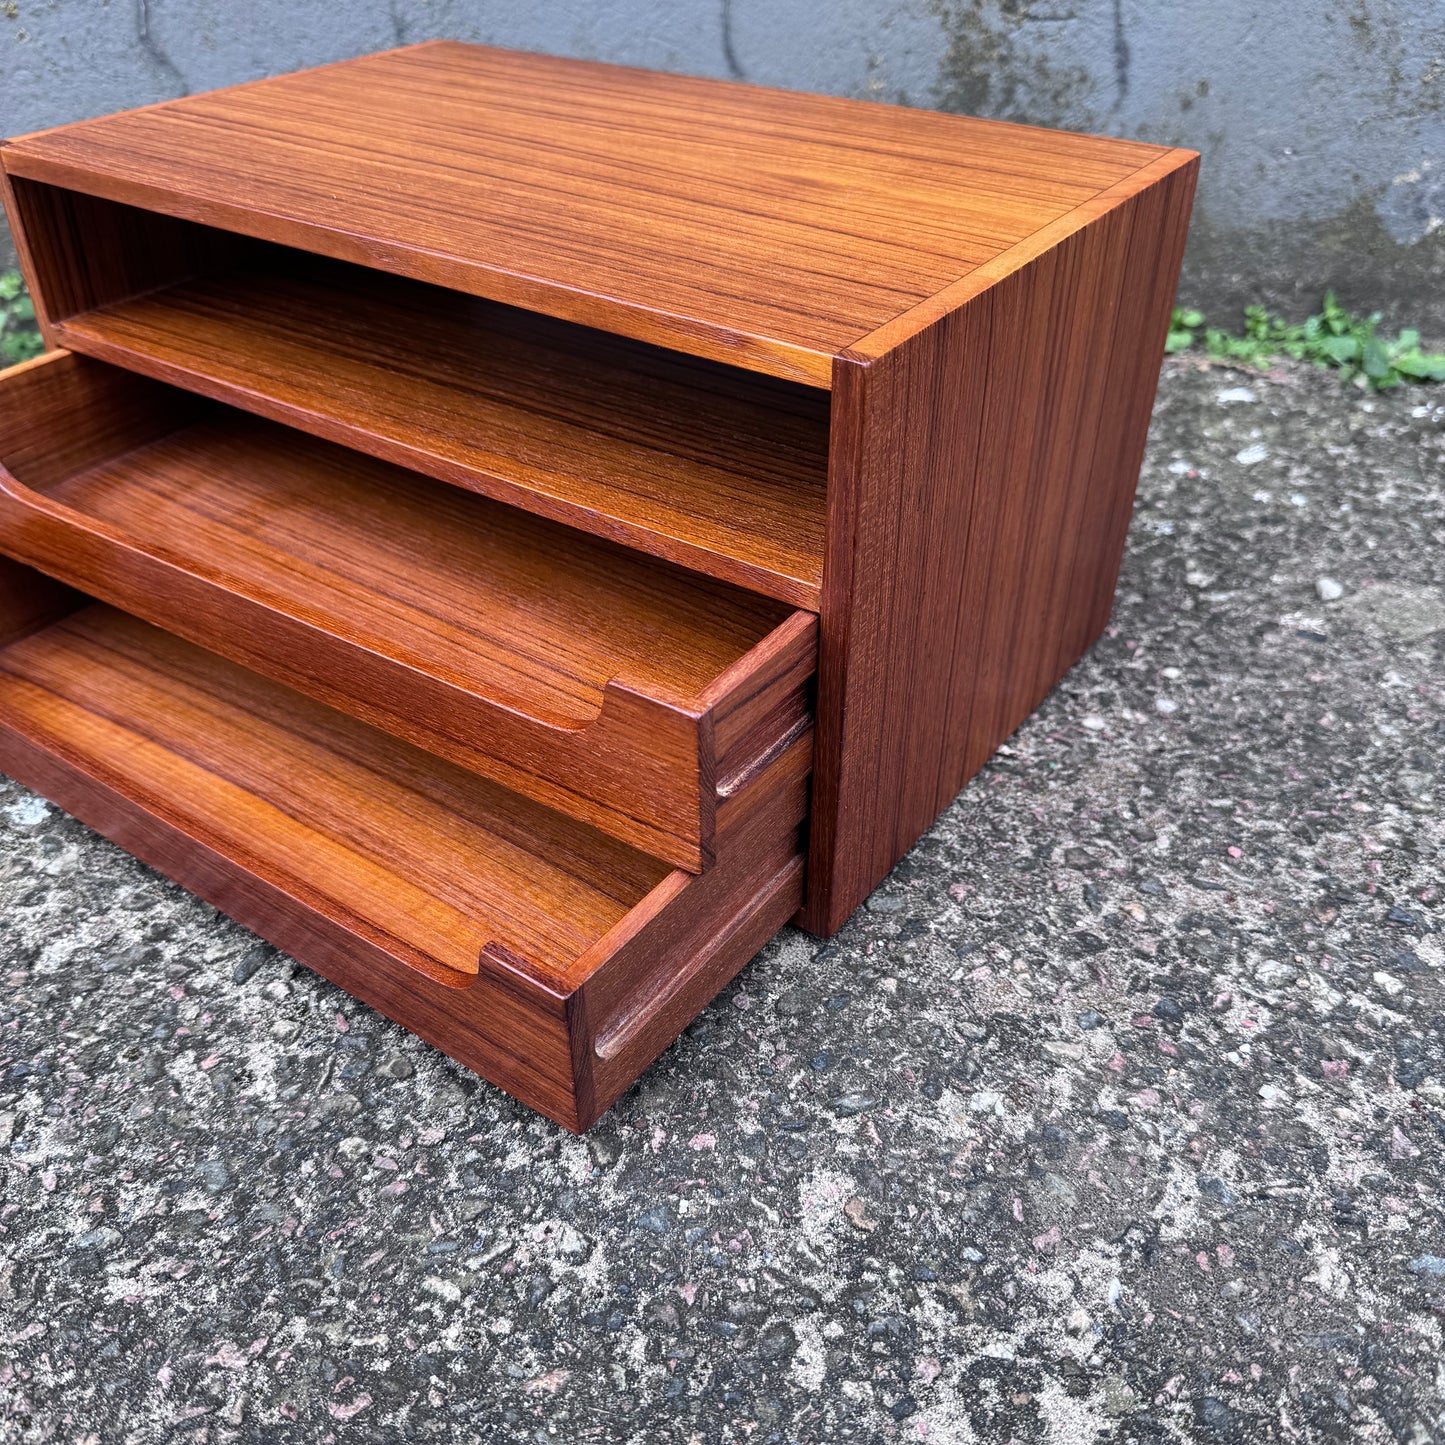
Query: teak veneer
[(533, 948), (622, 690), (514, 531), (722, 471)]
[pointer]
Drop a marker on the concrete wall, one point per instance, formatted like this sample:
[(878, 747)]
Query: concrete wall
[(1322, 122)]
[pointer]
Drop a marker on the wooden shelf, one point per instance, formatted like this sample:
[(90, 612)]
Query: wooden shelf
[(565, 666), (480, 919), (720, 470)]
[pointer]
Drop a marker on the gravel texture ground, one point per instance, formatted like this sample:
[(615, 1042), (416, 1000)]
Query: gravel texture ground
[(1117, 1114)]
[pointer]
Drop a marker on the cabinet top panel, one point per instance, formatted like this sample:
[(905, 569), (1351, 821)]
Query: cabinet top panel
[(770, 229)]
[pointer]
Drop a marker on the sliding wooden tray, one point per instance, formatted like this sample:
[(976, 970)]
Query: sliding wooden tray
[(720, 470), (548, 957), (621, 689)]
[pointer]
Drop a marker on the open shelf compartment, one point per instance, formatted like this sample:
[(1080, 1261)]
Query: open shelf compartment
[(615, 687), (720, 469), (549, 957)]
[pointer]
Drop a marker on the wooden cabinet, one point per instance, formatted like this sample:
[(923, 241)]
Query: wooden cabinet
[(515, 531)]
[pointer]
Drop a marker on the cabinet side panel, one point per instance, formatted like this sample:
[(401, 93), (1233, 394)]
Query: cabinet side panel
[(30, 601), (981, 482), (79, 252)]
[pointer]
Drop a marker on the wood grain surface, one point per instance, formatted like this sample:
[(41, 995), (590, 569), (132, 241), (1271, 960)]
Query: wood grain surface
[(889, 366), (760, 227), (29, 601), (721, 470), (424, 859), (471, 915), (981, 482), (583, 675)]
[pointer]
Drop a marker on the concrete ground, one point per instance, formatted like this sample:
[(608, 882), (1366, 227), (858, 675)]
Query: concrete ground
[(1118, 1114)]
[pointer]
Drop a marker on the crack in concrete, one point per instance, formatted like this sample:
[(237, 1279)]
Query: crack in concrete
[(730, 54), (1121, 56), (156, 51), (398, 24)]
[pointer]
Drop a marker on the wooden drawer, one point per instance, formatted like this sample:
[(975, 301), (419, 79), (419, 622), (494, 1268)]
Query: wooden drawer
[(549, 957), (613, 686)]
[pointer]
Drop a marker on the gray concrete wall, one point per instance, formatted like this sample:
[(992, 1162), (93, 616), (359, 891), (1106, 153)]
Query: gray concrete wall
[(1322, 122)]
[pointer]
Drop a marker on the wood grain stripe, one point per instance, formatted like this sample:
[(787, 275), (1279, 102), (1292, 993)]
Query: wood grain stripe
[(982, 472), (767, 229)]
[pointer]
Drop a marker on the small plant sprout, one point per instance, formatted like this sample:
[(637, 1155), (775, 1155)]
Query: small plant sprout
[(19, 336), (1333, 337), (1182, 325)]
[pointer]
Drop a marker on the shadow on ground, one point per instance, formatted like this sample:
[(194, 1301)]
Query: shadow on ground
[(1118, 1114)]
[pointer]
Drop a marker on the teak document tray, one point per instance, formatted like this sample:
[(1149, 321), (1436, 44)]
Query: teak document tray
[(514, 531), (620, 689)]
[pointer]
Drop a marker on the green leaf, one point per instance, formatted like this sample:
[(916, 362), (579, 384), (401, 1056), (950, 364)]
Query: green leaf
[(10, 285), (20, 346), (22, 309), (1178, 341), (1190, 318), (1376, 359), (1340, 349), (1256, 322), (1419, 366), (1335, 317)]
